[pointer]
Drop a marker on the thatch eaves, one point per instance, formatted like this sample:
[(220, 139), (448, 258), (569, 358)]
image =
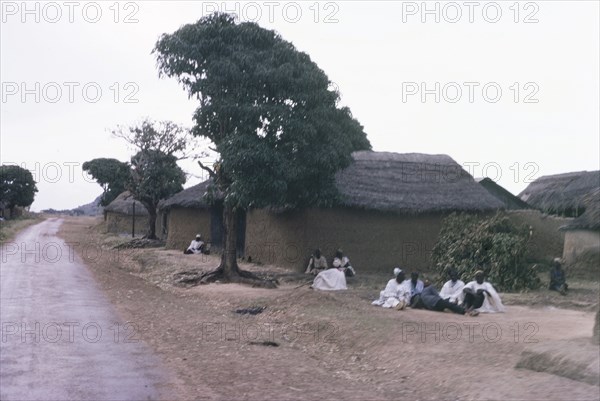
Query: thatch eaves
[(124, 204), (510, 201), (590, 219), (562, 194), (192, 197), (411, 183)]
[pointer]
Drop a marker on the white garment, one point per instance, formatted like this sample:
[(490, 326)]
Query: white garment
[(330, 280), (492, 302), (393, 294), (343, 263), (196, 246), (453, 290)]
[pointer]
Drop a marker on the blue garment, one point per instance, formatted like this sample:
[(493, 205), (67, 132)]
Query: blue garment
[(414, 290)]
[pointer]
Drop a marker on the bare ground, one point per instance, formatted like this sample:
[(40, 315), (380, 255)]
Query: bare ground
[(314, 345)]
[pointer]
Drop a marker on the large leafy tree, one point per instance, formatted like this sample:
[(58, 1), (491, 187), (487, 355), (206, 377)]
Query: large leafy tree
[(17, 187), (112, 174), (270, 114)]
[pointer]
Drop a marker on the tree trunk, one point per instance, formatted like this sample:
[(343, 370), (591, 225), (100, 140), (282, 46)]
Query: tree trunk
[(151, 223), (229, 257), (228, 270)]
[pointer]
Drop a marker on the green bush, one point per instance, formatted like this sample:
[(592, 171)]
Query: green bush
[(494, 244)]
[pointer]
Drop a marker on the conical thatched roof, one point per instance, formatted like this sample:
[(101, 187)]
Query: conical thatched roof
[(124, 204), (562, 193), (192, 197), (510, 201), (590, 219), (411, 183)]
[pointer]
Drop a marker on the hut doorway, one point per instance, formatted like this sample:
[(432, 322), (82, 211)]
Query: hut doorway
[(216, 229)]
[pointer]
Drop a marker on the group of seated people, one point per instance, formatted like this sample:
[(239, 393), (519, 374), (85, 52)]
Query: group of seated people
[(330, 278), (471, 298)]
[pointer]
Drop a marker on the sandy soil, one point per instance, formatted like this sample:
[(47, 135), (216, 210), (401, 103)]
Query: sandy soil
[(326, 345)]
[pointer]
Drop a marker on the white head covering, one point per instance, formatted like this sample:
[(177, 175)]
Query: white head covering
[(397, 271)]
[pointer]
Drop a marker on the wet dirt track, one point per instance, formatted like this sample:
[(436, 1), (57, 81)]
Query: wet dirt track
[(61, 338)]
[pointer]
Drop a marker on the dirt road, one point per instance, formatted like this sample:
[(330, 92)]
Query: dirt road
[(61, 338), (333, 346)]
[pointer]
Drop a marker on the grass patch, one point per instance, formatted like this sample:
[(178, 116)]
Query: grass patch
[(10, 228)]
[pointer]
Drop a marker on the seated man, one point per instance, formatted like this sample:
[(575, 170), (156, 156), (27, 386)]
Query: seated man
[(452, 290), (558, 280), (433, 301), (341, 261), (416, 286), (396, 293), (481, 296), (196, 246), (317, 263)]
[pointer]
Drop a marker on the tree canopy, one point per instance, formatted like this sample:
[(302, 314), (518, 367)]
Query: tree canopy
[(17, 186), (154, 176), (268, 109), (112, 174)]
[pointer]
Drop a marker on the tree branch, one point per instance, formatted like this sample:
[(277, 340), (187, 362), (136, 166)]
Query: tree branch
[(210, 172)]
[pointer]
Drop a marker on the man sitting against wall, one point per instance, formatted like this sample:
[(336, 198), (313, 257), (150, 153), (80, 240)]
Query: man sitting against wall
[(196, 246)]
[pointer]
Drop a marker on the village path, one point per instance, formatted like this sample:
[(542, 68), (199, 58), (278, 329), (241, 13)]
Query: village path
[(61, 338)]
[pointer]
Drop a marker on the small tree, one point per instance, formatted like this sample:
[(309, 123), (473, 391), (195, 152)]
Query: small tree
[(112, 175), (270, 114), (154, 173), (495, 244), (17, 187), (154, 176)]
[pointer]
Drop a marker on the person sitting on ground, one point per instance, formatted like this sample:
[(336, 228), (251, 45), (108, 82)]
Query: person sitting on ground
[(481, 295), (317, 263), (432, 300), (558, 280), (452, 290), (342, 261), (196, 246), (416, 286), (396, 293)]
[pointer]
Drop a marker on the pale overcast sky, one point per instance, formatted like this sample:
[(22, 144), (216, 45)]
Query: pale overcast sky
[(517, 83)]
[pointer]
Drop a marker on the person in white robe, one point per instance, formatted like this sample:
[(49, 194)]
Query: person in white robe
[(481, 296), (196, 246), (396, 293), (330, 280), (452, 290)]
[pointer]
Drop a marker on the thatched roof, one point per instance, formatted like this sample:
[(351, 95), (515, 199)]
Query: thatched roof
[(124, 204), (411, 183), (562, 193), (590, 219), (510, 201), (192, 197)]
